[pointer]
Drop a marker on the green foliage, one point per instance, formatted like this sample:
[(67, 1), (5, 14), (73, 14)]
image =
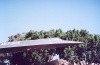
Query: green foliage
[(89, 51)]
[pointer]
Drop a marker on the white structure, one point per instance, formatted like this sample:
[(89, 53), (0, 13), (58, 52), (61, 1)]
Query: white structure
[(35, 44)]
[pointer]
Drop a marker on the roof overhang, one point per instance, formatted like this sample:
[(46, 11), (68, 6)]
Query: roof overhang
[(35, 44)]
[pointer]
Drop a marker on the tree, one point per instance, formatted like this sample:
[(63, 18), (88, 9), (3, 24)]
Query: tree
[(90, 50)]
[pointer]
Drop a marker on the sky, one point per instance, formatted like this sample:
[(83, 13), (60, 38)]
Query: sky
[(18, 16)]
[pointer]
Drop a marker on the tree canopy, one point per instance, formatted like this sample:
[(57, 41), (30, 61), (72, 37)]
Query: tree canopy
[(89, 51)]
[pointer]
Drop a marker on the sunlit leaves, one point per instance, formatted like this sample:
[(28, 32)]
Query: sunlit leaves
[(91, 46)]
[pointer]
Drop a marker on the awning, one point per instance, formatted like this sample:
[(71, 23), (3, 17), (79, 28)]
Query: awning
[(35, 44)]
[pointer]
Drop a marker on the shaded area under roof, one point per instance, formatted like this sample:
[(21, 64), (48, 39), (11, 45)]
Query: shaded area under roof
[(35, 44)]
